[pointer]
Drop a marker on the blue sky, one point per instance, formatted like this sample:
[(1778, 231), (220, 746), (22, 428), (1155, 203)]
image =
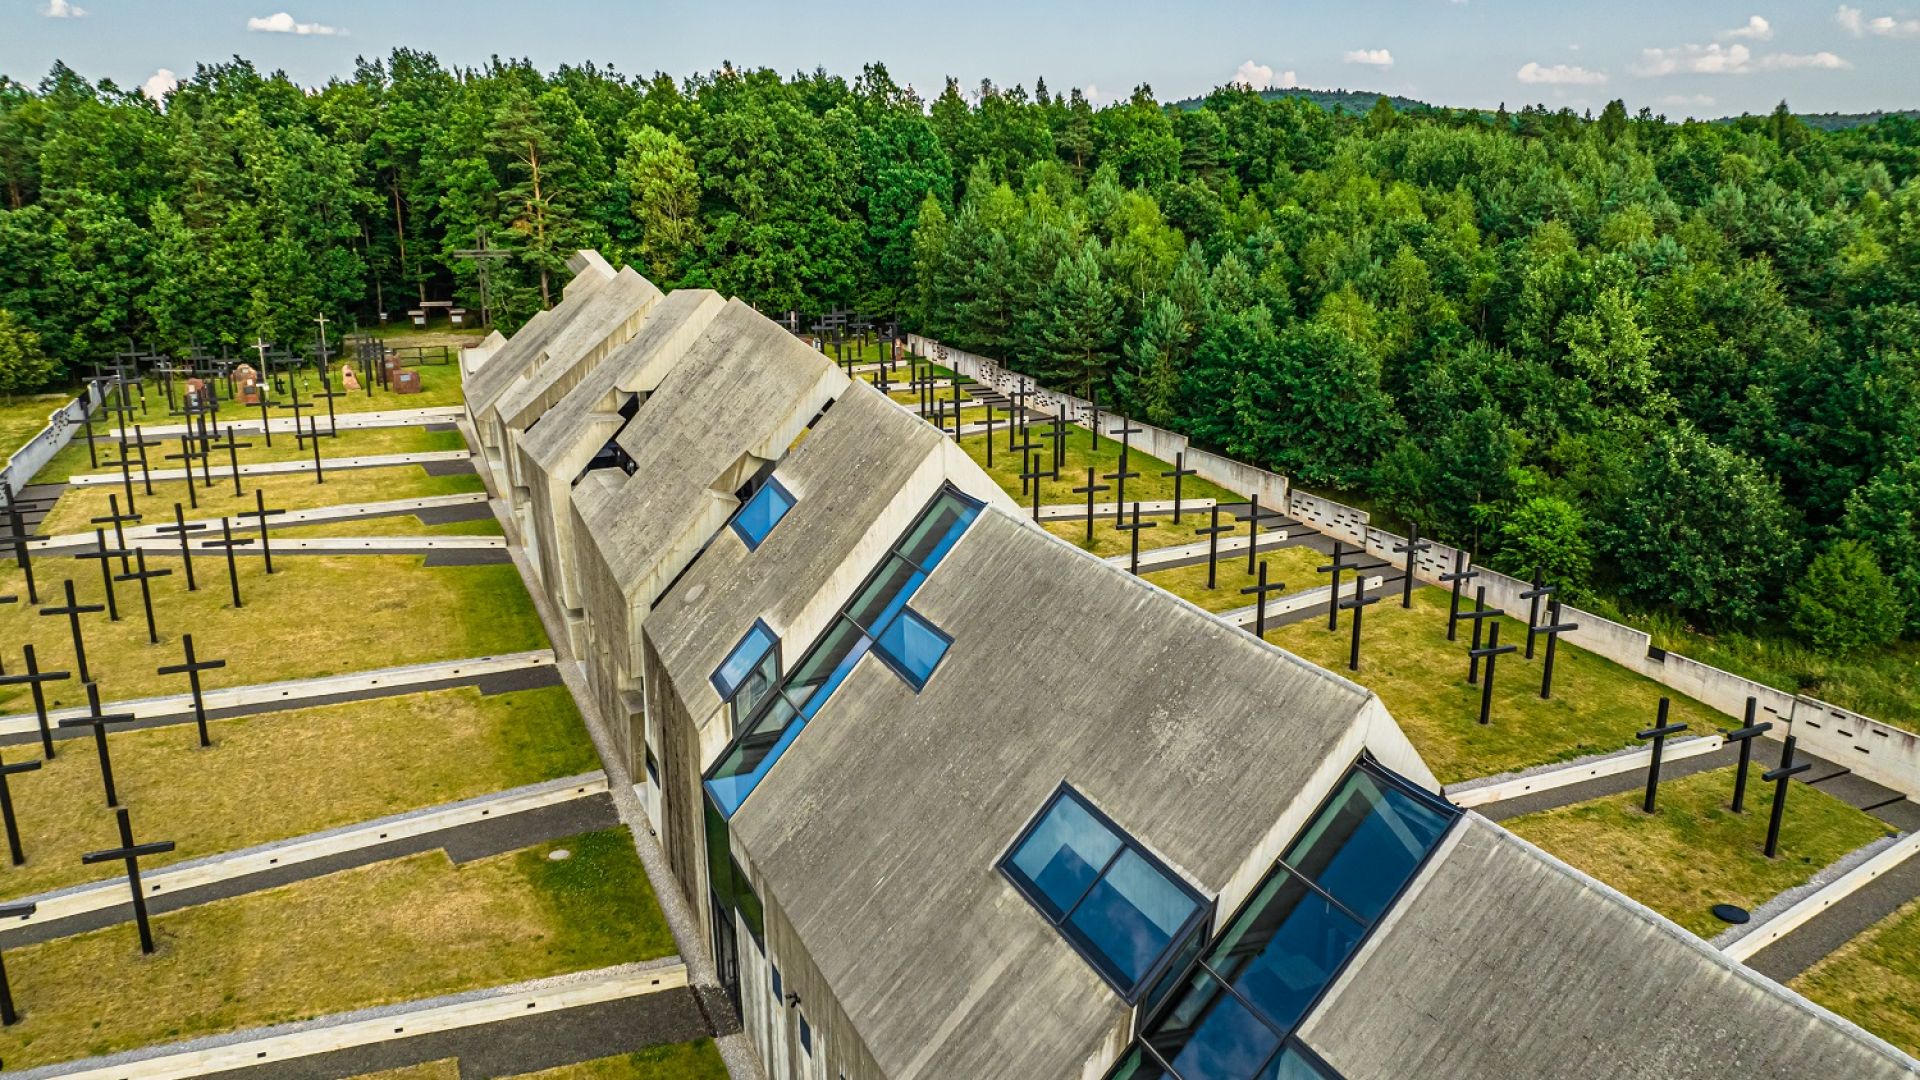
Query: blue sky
[(1680, 57)]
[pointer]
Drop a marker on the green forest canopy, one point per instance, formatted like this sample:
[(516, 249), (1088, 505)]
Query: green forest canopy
[(1671, 363)]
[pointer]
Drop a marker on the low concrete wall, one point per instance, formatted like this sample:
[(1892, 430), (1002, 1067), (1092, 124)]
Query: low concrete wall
[(1879, 752), (61, 423)]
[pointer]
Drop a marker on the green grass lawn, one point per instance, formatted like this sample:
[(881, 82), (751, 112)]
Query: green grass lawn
[(286, 491), (1405, 657), (351, 442), (315, 615), (392, 525), (394, 931), (277, 775), (1149, 486), (23, 417), (1292, 565), (1874, 980), (697, 1060), (1109, 541), (1694, 852)]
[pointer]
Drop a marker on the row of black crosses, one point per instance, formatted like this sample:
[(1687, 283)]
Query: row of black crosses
[(1744, 735)]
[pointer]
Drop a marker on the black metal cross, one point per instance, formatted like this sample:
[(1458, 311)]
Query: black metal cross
[(131, 854), (1055, 436), (143, 576), (1479, 616), (10, 1016), (1458, 577), (6, 806), (139, 444), (329, 393), (73, 610), (1089, 491), (126, 478), (260, 514), (989, 436), (1179, 472), (18, 534), (1492, 652), (1658, 733), (313, 434), (1552, 630), (1260, 589), (1121, 474), (119, 521), (192, 669), (1034, 474), (105, 555), (1026, 447), (180, 528), (1412, 546), (1136, 528), (229, 543), (1533, 597), (1745, 735), (1358, 605), (99, 721), (1255, 519), (33, 677), (296, 406), (1779, 778), (188, 453), (1212, 532), (1337, 567), (233, 456)]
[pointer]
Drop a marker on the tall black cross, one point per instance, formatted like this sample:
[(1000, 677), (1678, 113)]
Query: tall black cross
[(1552, 630), (1136, 528), (329, 393), (73, 610), (139, 444), (989, 436), (105, 555), (180, 528), (1093, 429), (1491, 652), (1779, 778), (119, 521), (192, 669), (227, 542), (260, 514), (18, 534), (125, 464), (1025, 449), (1089, 491), (99, 722), (1122, 473), (1358, 605), (1458, 577), (1055, 436), (1337, 567), (297, 407), (86, 422), (6, 806), (131, 854), (313, 434), (1745, 735), (1412, 546), (1212, 532), (1533, 597), (33, 677), (188, 453), (233, 456), (10, 1016), (1035, 473), (144, 576), (1479, 616), (1260, 588), (1179, 472), (1256, 518), (1658, 733)]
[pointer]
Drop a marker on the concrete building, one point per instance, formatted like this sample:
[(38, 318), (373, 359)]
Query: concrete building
[(955, 799)]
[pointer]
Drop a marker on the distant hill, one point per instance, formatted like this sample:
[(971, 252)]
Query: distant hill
[(1843, 121), (1353, 101)]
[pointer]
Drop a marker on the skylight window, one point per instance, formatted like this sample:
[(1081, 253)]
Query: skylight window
[(749, 672), (1117, 904), (761, 512)]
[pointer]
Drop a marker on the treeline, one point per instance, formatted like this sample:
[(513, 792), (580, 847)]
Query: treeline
[(1668, 362)]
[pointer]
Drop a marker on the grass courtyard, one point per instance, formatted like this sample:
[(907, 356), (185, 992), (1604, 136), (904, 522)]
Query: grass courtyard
[(288, 491), (394, 931), (1294, 565), (315, 615), (1694, 852), (1081, 454), (22, 417), (1405, 657), (697, 1060), (350, 442), (277, 775), (391, 525), (1874, 980)]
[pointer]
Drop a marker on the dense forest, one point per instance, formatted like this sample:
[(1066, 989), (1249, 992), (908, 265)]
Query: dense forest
[(1672, 365)]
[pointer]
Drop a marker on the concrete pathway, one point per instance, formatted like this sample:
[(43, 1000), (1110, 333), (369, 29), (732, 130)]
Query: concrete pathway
[(1282, 610), (277, 468), (1201, 508), (1179, 555)]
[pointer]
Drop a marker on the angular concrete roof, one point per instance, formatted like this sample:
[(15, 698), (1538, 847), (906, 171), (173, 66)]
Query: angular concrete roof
[(524, 349), (745, 388), (607, 319), (1501, 961), (878, 831)]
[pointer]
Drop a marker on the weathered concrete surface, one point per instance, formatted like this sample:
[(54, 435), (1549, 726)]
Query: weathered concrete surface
[(518, 354), (1502, 961), (875, 837)]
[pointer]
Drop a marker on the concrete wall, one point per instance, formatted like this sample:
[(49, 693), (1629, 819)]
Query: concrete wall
[(61, 424), (1880, 752)]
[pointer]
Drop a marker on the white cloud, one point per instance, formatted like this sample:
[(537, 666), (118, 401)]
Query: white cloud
[(1262, 77), (63, 9), (1687, 99), (1855, 22), (1825, 61), (283, 23), (1757, 29), (159, 84), (1380, 58), (1561, 74), (1714, 59)]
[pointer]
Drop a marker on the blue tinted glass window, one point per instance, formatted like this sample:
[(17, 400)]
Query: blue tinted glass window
[(1121, 908), (1365, 845), (912, 646), (762, 512), (1284, 948), (744, 659), (806, 1035), (1292, 1064), (886, 594), (1209, 1033), (778, 997)]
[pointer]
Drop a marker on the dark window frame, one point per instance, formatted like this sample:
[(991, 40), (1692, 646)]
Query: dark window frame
[(729, 693), (1200, 921), (771, 483), (917, 683)]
